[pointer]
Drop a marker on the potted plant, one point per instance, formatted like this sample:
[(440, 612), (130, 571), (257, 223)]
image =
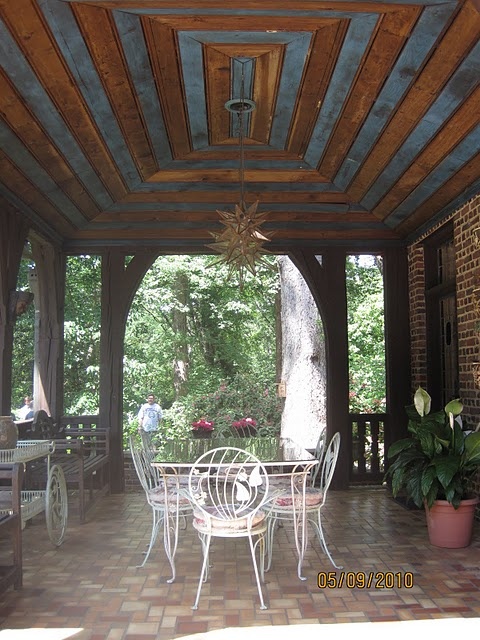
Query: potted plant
[(245, 428), (202, 428), (436, 466)]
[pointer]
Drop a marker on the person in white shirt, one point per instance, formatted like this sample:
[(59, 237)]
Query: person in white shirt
[(149, 418), (26, 412)]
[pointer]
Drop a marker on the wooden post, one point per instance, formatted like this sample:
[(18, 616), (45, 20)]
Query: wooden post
[(13, 234), (119, 284), (397, 343), (49, 296), (326, 279)]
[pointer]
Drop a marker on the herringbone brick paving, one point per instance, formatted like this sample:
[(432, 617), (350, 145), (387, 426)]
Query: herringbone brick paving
[(92, 581)]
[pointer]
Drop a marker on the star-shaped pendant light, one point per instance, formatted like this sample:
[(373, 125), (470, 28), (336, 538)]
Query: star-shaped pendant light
[(240, 244)]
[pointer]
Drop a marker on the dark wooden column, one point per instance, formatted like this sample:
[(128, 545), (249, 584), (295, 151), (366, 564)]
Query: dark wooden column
[(327, 283), (119, 284), (397, 342), (13, 234), (49, 291)]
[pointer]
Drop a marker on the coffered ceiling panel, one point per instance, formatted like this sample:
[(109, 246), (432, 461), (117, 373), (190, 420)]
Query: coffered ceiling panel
[(114, 131)]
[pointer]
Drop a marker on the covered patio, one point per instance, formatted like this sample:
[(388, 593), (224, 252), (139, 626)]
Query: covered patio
[(115, 141), (92, 584), (364, 139)]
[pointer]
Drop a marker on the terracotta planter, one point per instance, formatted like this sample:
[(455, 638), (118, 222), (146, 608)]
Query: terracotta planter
[(448, 527), (8, 433)]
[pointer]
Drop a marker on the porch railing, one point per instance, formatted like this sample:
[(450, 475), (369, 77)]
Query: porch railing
[(368, 451)]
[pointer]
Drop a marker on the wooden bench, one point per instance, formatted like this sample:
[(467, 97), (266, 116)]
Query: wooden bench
[(82, 449), (84, 455), (11, 476)]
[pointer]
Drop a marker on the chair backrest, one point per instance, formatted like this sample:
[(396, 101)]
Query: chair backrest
[(147, 445), (328, 465), (148, 475), (228, 484), (319, 452)]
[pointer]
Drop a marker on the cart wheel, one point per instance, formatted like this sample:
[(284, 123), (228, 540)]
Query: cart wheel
[(56, 505)]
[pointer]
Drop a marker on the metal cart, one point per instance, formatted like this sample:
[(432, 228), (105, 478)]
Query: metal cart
[(54, 499)]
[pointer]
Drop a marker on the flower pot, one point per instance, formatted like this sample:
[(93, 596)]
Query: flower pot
[(448, 527), (8, 433), (201, 433), (246, 432)]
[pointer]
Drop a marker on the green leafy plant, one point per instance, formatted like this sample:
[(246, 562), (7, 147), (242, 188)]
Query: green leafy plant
[(243, 396), (438, 460)]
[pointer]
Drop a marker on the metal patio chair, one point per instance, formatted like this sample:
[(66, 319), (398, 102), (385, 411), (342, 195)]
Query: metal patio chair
[(166, 495), (228, 488), (287, 506)]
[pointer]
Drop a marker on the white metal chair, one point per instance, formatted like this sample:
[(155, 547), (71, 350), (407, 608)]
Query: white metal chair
[(166, 496), (319, 453), (229, 488), (280, 481), (287, 505)]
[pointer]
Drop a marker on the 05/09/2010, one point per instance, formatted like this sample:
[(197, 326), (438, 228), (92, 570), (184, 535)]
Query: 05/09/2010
[(363, 580)]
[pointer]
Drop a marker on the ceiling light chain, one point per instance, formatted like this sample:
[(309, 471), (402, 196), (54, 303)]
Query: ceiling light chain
[(241, 242)]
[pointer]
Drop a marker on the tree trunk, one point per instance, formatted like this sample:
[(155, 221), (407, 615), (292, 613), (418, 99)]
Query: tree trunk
[(303, 359)]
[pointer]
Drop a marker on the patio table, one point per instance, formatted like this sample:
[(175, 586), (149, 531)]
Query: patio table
[(282, 457)]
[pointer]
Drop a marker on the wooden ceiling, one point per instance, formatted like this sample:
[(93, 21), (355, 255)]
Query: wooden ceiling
[(114, 129)]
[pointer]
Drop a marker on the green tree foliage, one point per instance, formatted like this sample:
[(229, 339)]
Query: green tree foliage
[(82, 335), (366, 334), (225, 332), (188, 311)]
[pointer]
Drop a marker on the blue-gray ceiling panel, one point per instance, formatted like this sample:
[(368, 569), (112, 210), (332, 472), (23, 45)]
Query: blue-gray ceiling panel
[(73, 48), (417, 49), (136, 55), (356, 41)]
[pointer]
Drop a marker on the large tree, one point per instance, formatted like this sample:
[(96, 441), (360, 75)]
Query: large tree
[(303, 359)]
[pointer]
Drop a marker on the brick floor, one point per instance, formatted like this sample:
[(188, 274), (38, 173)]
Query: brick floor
[(92, 581)]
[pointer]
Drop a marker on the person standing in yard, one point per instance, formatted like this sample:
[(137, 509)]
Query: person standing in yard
[(26, 412), (149, 418)]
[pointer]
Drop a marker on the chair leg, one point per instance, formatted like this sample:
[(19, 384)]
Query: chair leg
[(300, 524), (261, 543), (271, 524), (205, 540), (156, 520), (170, 539), (317, 525)]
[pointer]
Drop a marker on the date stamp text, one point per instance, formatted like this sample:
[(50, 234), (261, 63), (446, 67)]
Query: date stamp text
[(365, 580)]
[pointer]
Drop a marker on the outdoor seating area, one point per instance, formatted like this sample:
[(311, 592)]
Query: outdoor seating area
[(92, 583)]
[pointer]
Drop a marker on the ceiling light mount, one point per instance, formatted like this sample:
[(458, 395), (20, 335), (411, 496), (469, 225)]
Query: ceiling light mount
[(240, 105)]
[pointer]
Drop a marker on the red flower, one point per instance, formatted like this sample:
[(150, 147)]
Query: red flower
[(203, 425), (244, 422)]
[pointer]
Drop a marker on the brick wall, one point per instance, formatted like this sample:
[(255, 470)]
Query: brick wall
[(467, 258), (416, 279), (132, 482)]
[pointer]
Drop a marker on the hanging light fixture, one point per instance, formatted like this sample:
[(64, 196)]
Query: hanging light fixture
[(241, 241)]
